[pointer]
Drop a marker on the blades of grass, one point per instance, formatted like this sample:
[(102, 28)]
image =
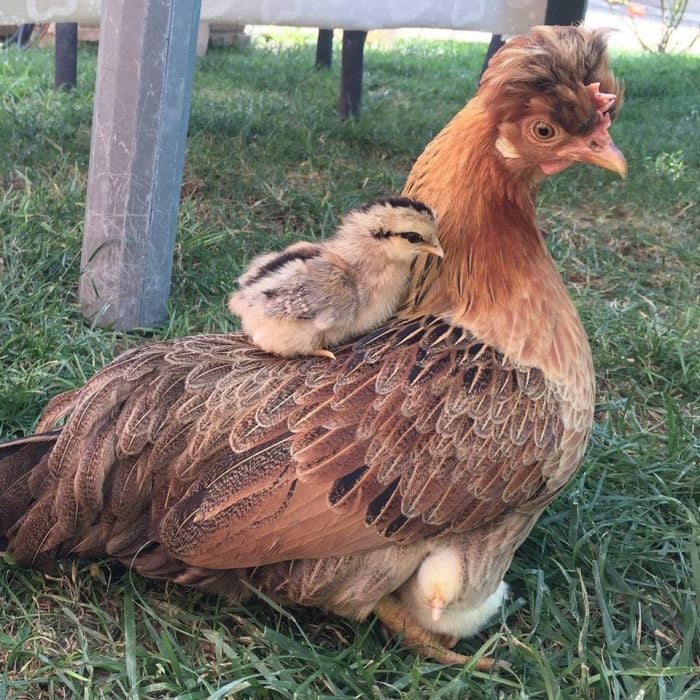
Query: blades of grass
[(541, 590), (130, 643), (166, 646), (230, 689), (551, 686), (655, 672), (612, 637), (583, 638), (280, 610), (695, 557), (685, 658)]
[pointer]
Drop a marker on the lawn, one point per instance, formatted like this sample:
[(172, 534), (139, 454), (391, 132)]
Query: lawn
[(604, 592)]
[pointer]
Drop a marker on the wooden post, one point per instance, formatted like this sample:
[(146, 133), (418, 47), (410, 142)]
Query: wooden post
[(324, 48), (351, 73), (65, 56), (144, 85)]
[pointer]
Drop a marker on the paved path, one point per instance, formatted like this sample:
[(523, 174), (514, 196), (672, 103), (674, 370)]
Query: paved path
[(601, 14)]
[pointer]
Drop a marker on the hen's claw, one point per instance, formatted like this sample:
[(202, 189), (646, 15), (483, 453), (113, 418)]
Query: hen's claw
[(395, 618), (447, 640)]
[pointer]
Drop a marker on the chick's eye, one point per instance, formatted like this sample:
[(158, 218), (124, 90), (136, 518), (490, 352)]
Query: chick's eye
[(543, 131), (412, 237)]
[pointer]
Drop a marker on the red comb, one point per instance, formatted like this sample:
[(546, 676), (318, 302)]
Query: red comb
[(600, 136), (603, 121), (603, 100)]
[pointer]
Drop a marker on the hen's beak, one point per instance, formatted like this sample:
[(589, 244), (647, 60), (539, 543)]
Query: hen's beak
[(597, 148), (432, 249), (608, 156)]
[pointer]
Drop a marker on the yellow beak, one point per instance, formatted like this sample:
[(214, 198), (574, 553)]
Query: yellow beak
[(437, 605), (607, 156), (610, 158), (432, 249)]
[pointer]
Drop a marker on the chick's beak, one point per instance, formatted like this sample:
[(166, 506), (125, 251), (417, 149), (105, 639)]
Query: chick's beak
[(432, 249), (437, 605)]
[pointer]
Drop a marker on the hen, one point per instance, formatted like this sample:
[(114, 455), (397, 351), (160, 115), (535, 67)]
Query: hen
[(206, 461), (312, 295)]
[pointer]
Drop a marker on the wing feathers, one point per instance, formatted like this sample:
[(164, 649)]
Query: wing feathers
[(418, 429), (241, 458)]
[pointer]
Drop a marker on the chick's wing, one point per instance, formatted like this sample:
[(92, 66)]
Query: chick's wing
[(320, 289)]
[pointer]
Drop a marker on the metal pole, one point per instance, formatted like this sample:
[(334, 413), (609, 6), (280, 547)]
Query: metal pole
[(565, 11), (144, 84), (65, 56), (324, 48), (351, 73), (495, 44)]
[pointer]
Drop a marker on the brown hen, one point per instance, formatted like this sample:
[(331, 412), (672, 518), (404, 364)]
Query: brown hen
[(206, 461)]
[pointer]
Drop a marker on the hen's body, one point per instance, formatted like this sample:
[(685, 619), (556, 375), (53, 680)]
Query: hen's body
[(219, 457), (207, 461)]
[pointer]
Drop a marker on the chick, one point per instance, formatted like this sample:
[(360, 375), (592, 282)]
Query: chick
[(314, 295), (434, 597)]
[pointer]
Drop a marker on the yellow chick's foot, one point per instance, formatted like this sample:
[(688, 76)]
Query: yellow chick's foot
[(323, 353), (397, 620)]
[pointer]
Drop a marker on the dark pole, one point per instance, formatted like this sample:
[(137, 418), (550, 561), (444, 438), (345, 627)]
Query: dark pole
[(324, 48), (565, 11), (66, 56), (494, 45), (351, 73), (23, 35)]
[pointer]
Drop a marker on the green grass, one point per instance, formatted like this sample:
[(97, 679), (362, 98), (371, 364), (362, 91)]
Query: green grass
[(605, 590)]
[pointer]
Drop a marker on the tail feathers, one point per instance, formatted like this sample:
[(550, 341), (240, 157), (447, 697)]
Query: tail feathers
[(19, 459), (57, 409), (34, 534)]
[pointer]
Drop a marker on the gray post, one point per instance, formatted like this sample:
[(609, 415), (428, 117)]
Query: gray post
[(65, 56), (144, 85)]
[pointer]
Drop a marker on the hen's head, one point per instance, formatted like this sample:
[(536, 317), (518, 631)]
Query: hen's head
[(553, 99)]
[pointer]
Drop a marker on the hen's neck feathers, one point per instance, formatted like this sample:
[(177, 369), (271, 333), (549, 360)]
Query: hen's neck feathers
[(497, 277)]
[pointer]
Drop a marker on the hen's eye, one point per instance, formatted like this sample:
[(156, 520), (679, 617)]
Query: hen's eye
[(543, 131), (412, 237)]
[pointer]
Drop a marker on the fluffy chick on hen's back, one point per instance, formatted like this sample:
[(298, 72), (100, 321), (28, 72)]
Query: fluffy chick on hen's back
[(315, 295)]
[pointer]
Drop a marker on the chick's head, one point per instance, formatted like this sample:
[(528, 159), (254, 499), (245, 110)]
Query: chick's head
[(439, 580), (395, 229), (553, 99)]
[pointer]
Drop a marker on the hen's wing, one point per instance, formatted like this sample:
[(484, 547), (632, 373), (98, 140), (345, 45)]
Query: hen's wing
[(227, 457), (317, 289)]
